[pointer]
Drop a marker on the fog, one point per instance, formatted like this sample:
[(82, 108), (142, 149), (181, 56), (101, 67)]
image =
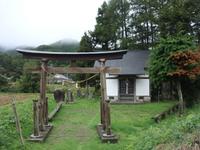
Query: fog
[(35, 22)]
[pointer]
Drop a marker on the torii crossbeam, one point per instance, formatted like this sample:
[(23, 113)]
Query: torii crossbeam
[(41, 125)]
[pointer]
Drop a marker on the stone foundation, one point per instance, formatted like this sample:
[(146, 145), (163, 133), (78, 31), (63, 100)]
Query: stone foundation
[(142, 99)]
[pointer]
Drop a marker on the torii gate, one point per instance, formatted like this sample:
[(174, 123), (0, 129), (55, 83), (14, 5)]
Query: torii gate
[(41, 125)]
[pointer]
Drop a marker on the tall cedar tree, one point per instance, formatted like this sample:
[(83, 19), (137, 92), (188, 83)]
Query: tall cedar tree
[(86, 45), (139, 24)]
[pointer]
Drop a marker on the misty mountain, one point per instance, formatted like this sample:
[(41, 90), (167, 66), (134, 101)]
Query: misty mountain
[(64, 45), (2, 49)]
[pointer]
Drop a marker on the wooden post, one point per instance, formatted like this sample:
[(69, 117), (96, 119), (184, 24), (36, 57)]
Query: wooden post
[(36, 132), (79, 93), (87, 89), (103, 93), (67, 100), (18, 125), (107, 118), (69, 97), (104, 129), (46, 112), (43, 93), (53, 113)]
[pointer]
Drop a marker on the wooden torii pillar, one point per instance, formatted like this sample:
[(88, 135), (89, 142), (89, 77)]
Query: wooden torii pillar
[(40, 108), (104, 129), (41, 125)]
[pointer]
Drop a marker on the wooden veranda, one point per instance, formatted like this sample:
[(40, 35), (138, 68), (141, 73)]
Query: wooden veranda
[(40, 108)]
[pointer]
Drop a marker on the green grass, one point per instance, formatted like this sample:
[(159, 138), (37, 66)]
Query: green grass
[(8, 136), (75, 126)]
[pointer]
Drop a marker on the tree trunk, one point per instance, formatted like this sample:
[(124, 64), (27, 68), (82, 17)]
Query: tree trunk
[(180, 96)]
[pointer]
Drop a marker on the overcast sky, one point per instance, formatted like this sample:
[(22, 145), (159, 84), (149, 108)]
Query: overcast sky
[(35, 22)]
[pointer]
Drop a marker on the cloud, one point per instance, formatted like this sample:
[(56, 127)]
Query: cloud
[(34, 22)]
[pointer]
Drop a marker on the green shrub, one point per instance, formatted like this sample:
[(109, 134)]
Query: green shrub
[(169, 131)]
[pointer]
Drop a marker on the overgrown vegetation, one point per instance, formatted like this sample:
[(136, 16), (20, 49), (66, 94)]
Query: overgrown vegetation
[(74, 126), (165, 69), (160, 62), (9, 138), (171, 133)]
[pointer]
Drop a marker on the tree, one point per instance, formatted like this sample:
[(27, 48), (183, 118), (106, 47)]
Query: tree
[(193, 9), (11, 66), (160, 62), (29, 82), (87, 42), (139, 24), (120, 10), (186, 65), (144, 22), (174, 18), (102, 28)]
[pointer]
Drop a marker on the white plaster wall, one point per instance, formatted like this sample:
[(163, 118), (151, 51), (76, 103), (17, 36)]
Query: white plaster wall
[(142, 87), (112, 87)]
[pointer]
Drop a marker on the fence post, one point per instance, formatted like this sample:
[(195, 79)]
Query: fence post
[(18, 125)]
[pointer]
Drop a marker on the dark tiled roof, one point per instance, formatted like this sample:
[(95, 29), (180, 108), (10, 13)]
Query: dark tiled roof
[(133, 62)]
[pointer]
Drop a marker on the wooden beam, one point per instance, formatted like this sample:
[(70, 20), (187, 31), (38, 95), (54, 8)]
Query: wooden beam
[(112, 70), (53, 113)]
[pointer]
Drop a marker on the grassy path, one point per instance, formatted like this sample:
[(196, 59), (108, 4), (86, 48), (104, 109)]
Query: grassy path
[(75, 126)]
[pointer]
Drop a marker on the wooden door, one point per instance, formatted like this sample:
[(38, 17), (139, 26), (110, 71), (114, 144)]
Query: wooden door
[(126, 88)]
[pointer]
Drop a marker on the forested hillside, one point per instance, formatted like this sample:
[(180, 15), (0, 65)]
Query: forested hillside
[(12, 75), (62, 46)]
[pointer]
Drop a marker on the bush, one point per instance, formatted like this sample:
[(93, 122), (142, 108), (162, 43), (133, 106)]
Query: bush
[(29, 83), (171, 131)]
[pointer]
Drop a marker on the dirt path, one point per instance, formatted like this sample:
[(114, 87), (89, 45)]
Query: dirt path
[(6, 97)]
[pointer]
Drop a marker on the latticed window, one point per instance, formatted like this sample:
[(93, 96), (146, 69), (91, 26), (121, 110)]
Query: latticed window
[(126, 86)]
